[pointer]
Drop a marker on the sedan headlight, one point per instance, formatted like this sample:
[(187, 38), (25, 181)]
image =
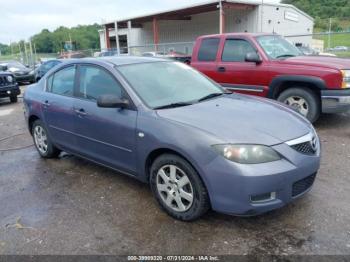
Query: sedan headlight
[(9, 79), (247, 154), (346, 78)]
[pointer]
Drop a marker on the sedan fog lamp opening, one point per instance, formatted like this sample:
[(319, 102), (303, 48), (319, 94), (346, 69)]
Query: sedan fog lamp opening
[(247, 154), (262, 198)]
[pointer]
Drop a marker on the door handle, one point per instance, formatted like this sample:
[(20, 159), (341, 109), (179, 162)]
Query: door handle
[(80, 111), (221, 69), (46, 103)]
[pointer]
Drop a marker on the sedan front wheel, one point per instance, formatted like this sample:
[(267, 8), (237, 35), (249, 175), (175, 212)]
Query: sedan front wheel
[(178, 188)]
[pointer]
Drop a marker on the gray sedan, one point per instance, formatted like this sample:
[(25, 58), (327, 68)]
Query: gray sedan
[(166, 124)]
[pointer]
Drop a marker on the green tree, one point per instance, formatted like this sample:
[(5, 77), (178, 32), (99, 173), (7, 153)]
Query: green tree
[(322, 10), (84, 36)]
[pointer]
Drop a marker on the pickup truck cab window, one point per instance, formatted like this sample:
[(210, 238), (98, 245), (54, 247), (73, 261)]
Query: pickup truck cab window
[(62, 82), (208, 49), (235, 50), (95, 81)]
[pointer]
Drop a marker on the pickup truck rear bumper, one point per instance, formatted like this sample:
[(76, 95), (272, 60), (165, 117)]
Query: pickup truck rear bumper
[(335, 101)]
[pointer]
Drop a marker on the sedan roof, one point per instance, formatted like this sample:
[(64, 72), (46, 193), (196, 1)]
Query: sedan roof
[(115, 60), (127, 60)]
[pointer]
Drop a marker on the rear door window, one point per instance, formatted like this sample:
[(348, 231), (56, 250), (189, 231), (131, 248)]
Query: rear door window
[(63, 81), (95, 81), (208, 49)]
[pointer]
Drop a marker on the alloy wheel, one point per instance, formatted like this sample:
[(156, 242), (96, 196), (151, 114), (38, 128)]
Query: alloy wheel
[(175, 188), (40, 139)]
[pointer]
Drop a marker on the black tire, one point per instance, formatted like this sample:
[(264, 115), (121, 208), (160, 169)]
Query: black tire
[(52, 151), (311, 98), (13, 99), (200, 204)]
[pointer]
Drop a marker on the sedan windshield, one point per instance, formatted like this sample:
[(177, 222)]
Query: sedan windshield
[(169, 84), (277, 47)]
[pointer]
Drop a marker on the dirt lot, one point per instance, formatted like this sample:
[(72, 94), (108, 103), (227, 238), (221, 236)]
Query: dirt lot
[(71, 206)]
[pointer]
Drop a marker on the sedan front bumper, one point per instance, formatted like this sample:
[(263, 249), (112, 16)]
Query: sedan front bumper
[(335, 101), (237, 189)]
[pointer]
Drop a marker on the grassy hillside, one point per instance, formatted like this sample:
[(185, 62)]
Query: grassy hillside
[(322, 10)]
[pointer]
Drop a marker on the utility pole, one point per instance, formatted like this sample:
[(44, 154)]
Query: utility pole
[(329, 33), (26, 53), (35, 52), (32, 61), (11, 48), (20, 51), (222, 17), (262, 16)]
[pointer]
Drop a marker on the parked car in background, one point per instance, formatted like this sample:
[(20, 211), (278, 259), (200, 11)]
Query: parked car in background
[(340, 49), (153, 54), (166, 124), (21, 73), (307, 50), (8, 85), (177, 56), (108, 53), (73, 54), (310, 51), (267, 65), (44, 68)]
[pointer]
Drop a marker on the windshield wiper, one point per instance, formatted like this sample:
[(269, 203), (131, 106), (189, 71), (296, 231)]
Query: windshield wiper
[(286, 55), (212, 95), (173, 105)]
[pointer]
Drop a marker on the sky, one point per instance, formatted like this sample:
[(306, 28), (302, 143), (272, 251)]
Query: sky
[(21, 19)]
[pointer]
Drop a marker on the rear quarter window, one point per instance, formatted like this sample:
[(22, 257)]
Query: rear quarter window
[(208, 49)]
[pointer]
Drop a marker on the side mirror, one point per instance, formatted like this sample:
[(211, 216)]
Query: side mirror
[(253, 57), (111, 101)]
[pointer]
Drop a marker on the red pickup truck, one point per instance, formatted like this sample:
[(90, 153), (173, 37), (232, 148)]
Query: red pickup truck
[(267, 65)]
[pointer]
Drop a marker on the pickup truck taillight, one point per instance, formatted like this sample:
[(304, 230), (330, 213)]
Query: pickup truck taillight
[(346, 78)]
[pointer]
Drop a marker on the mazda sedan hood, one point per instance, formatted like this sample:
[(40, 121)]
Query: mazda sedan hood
[(241, 119)]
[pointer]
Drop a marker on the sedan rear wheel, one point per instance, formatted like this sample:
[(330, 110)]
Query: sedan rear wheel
[(40, 138), (178, 188), (42, 141)]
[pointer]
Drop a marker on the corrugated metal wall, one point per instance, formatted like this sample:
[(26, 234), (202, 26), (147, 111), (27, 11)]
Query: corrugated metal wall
[(273, 20), (201, 24)]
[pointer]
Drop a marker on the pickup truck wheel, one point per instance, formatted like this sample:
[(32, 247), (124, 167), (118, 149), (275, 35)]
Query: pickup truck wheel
[(303, 101), (13, 99), (178, 188), (43, 142)]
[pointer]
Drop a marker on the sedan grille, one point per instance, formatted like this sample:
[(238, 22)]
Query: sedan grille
[(303, 185), (305, 148)]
